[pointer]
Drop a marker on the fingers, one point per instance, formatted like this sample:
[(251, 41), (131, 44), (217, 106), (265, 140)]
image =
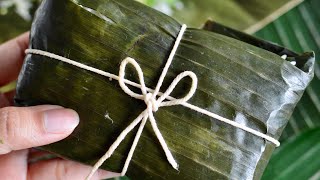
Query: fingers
[(14, 165), (12, 55), (38, 155), (26, 127), (62, 169)]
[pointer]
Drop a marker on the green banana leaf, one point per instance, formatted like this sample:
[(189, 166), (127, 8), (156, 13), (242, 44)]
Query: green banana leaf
[(296, 159), (239, 81), (299, 29), (221, 29)]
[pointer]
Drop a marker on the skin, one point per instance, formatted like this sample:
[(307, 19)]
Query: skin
[(22, 128)]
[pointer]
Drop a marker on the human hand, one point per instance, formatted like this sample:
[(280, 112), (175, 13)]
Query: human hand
[(26, 127)]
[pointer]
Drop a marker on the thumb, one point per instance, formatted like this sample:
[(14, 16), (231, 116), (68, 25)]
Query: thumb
[(26, 127)]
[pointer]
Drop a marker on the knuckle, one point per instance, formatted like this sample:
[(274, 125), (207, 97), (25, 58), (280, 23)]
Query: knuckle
[(62, 169), (9, 116)]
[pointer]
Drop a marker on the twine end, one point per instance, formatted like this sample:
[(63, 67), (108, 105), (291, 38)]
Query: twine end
[(175, 166)]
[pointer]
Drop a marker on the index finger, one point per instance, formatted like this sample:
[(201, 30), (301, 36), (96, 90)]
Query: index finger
[(11, 59)]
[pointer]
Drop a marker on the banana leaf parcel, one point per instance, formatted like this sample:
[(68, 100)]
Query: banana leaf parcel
[(240, 78)]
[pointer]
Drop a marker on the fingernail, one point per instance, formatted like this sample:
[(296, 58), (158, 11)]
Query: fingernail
[(60, 120)]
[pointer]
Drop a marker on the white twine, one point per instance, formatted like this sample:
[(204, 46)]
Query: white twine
[(149, 96)]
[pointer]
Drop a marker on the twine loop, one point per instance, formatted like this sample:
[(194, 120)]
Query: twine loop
[(150, 98)]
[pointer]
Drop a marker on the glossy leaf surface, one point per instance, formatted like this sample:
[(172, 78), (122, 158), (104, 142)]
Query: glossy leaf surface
[(237, 80)]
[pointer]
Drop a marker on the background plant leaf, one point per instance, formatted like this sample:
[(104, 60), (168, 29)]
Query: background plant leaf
[(296, 159), (16, 17), (299, 30), (245, 15)]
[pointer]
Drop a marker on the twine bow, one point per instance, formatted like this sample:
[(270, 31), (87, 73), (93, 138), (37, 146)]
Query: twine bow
[(153, 105)]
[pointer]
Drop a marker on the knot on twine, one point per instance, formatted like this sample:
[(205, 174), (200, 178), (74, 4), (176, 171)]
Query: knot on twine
[(151, 102)]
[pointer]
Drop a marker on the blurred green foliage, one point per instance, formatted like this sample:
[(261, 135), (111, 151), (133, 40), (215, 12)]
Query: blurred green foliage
[(155, 2), (297, 159), (12, 24), (14, 18)]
